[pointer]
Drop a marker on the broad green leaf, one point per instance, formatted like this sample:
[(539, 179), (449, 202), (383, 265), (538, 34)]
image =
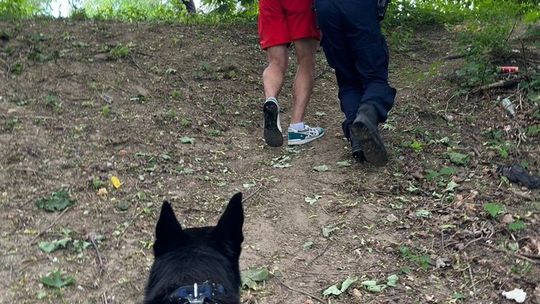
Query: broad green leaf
[(451, 186), (308, 245), (327, 230), (376, 288), (312, 200), (391, 281), (187, 140), (58, 201), (458, 158), (252, 276), (321, 168), (56, 279), (371, 285), (332, 290), (249, 185), (347, 283), (423, 213), (54, 245), (344, 163), (447, 171), (516, 226), (336, 291), (494, 209), (80, 245), (458, 296), (41, 295)]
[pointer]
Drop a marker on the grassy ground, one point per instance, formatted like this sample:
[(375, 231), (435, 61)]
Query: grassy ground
[(175, 113)]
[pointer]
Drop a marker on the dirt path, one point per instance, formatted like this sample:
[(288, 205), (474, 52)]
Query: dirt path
[(83, 101)]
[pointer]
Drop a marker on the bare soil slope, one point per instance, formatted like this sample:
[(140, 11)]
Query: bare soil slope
[(174, 111)]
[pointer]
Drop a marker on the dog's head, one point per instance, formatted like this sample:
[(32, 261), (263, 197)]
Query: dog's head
[(184, 257)]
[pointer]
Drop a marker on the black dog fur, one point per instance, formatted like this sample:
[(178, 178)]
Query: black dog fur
[(197, 255)]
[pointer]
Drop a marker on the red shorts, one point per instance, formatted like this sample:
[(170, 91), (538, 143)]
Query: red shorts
[(285, 21)]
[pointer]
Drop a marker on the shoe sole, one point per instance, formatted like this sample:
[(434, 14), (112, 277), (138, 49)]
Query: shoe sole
[(372, 144), (272, 132), (305, 141)]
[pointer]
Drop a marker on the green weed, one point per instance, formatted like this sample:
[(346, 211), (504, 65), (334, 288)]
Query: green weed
[(421, 260)]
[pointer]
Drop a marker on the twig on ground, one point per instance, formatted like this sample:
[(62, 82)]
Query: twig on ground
[(137, 65), (104, 297), (92, 238), (299, 291), (209, 116), (50, 226), (471, 241), (471, 277), (516, 255), (319, 255), (253, 193)]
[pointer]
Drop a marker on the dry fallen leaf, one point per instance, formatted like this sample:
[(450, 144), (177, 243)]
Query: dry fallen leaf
[(116, 182), (102, 192)]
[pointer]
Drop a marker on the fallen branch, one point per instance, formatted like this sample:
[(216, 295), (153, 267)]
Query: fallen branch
[(457, 56), (252, 193), (500, 84), (516, 255), (92, 238), (137, 65), (50, 226), (299, 291), (319, 255)]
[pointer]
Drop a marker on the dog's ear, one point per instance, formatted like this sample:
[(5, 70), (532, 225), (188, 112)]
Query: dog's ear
[(229, 227), (169, 232)]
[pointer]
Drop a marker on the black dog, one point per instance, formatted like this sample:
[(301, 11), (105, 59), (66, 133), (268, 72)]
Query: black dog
[(197, 265)]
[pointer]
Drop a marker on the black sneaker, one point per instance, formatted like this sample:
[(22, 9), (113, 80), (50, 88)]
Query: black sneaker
[(364, 129), (272, 128)]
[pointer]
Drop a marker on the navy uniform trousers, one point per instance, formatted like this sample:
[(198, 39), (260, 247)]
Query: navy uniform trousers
[(355, 47)]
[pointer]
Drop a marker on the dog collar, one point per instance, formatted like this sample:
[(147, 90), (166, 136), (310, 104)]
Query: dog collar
[(202, 293)]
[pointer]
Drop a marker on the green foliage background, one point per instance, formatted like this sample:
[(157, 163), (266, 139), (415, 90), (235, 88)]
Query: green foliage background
[(483, 27)]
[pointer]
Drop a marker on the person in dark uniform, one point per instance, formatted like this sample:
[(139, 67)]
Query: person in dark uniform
[(355, 47), (190, 6)]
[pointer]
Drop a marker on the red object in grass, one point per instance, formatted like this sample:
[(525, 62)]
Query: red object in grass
[(508, 69)]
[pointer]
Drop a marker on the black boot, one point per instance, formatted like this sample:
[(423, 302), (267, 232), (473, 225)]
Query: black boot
[(356, 149), (364, 130)]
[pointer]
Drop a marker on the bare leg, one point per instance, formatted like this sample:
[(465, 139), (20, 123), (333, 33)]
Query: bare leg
[(274, 74), (303, 82)]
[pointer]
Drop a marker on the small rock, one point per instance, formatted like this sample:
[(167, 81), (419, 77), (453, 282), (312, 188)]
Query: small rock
[(536, 294), (123, 152), (507, 219), (357, 294), (440, 263), (517, 295), (391, 218), (101, 56), (448, 117)]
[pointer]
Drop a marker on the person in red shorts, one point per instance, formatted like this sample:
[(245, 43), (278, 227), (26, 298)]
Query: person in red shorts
[(282, 22)]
